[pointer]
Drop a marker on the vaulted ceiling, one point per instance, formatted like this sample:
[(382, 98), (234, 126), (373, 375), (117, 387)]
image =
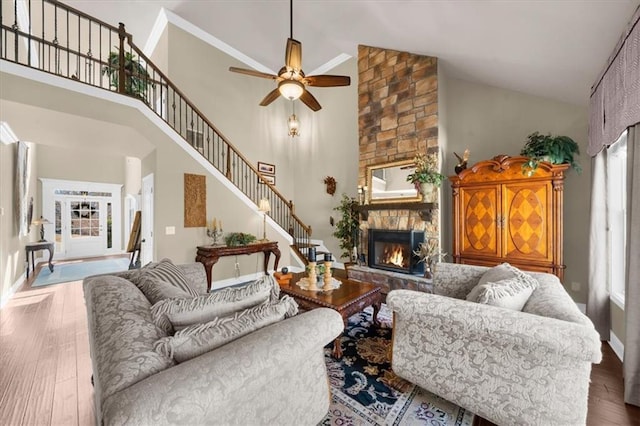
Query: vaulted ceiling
[(549, 48)]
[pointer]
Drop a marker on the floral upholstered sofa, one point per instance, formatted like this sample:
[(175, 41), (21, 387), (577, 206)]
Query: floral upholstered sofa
[(510, 366), (272, 373)]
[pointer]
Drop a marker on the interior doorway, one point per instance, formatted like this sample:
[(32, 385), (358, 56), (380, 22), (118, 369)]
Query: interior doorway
[(146, 246), (86, 217)]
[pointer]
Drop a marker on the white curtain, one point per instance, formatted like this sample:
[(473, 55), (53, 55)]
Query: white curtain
[(598, 307), (631, 364)]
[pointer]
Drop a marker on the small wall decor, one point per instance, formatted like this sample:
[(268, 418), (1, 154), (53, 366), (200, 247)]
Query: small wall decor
[(266, 168), (195, 201), (268, 178), (331, 185), (268, 172)]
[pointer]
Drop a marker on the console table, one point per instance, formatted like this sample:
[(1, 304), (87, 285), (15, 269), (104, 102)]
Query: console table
[(209, 255), (40, 245)]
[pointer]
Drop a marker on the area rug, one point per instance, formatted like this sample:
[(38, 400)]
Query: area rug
[(365, 391), (67, 272)]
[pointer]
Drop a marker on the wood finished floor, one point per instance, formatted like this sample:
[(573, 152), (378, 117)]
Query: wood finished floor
[(45, 376)]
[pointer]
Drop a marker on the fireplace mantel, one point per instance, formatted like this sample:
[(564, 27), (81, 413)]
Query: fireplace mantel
[(425, 210)]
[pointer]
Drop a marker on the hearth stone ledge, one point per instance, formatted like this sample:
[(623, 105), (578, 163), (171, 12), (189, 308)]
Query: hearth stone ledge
[(388, 280)]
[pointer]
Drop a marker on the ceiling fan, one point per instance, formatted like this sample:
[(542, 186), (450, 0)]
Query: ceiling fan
[(291, 79)]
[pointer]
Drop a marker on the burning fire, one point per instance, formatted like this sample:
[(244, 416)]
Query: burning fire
[(393, 255)]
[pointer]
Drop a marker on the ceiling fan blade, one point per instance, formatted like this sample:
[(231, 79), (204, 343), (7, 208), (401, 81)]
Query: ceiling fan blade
[(293, 54), (309, 100), (327, 80), (272, 96), (253, 73)]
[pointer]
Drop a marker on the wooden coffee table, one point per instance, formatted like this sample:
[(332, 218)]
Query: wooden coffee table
[(352, 297)]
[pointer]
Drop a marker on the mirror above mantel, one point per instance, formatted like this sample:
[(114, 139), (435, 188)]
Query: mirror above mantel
[(387, 183)]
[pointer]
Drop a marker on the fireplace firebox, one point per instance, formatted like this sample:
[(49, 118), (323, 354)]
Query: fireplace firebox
[(393, 250)]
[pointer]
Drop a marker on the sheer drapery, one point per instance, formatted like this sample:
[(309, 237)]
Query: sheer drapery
[(631, 364), (598, 305), (615, 97)]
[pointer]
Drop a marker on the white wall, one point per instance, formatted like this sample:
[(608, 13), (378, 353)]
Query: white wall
[(492, 121), (327, 146), (12, 256)]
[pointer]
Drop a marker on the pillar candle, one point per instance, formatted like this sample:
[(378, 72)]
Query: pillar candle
[(327, 257), (312, 254)]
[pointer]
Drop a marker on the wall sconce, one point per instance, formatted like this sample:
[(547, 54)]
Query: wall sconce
[(293, 123)]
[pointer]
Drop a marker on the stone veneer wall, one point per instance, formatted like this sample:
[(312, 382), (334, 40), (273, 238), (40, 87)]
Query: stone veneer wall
[(398, 118)]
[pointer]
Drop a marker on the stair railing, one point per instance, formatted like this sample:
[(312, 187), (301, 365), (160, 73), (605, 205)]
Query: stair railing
[(64, 41)]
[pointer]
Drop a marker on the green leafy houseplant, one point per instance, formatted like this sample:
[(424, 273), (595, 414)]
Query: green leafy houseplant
[(234, 239), (137, 78), (554, 149), (348, 227), (426, 170)]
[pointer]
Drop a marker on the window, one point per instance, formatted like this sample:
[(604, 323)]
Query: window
[(617, 216)]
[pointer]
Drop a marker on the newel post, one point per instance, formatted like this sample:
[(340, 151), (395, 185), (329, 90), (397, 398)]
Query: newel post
[(122, 34)]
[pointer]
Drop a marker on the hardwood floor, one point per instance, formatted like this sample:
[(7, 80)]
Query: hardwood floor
[(45, 376)]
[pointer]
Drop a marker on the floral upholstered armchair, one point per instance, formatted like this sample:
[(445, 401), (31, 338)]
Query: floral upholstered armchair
[(509, 366)]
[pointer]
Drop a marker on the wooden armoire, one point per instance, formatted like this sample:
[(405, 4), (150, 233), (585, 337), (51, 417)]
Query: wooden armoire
[(502, 215)]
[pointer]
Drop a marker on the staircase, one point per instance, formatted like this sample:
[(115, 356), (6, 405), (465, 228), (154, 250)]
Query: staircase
[(52, 37)]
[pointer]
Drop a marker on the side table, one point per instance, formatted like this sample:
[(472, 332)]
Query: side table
[(40, 245), (209, 255)]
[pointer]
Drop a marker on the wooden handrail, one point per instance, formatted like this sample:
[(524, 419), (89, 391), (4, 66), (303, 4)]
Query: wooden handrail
[(212, 126)]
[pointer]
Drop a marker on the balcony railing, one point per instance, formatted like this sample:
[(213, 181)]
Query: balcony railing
[(55, 38)]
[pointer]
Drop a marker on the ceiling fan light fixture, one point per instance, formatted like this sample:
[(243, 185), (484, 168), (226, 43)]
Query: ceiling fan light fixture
[(291, 89)]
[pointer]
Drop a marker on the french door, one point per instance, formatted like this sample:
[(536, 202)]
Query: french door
[(85, 226), (86, 217)]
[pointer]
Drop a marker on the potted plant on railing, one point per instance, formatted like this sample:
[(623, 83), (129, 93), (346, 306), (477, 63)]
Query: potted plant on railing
[(426, 176), (554, 149), (348, 227), (137, 78)]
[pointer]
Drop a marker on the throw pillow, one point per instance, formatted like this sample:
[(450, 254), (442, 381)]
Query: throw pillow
[(508, 294), (175, 314), (156, 290), (166, 271), (198, 339), (504, 271), (503, 285)]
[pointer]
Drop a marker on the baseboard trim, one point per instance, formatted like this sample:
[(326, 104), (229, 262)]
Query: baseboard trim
[(13, 289), (217, 285), (616, 345)]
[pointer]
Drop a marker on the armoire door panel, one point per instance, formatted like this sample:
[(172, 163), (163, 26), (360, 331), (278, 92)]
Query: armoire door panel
[(480, 233), (527, 221)]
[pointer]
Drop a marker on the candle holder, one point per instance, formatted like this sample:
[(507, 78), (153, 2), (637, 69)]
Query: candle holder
[(214, 234), (327, 276), (312, 276), (360, 195)]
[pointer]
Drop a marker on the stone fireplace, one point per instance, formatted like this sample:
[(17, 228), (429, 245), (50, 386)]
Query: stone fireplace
[(392, 250), (398, 118)]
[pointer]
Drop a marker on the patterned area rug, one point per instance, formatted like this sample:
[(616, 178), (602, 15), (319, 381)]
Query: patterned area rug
[(67, 272), (366, 392)]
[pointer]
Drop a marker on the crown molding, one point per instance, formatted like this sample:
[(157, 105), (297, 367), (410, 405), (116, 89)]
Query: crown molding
[(166, 17)]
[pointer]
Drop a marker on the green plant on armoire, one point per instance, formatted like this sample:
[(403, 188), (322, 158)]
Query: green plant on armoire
[(554, 149)]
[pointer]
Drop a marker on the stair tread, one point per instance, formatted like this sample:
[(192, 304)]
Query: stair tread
[(306, 245)]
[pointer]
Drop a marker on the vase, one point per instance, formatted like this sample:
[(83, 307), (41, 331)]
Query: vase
[(429, 192)]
